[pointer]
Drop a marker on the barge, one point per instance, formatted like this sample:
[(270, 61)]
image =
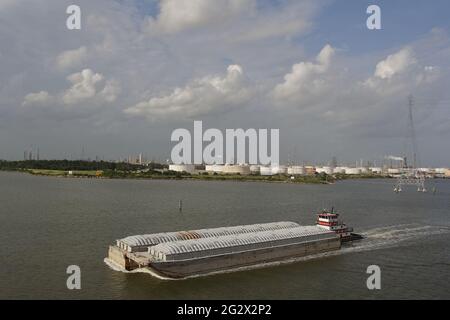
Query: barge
[(187, 253)]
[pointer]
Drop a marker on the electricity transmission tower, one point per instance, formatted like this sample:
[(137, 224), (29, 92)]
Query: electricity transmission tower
[(411, 176)]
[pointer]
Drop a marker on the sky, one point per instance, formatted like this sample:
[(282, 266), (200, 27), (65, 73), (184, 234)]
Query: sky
[(138, 69)]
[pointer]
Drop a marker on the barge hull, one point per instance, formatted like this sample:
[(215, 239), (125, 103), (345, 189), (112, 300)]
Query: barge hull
[(199, 266)]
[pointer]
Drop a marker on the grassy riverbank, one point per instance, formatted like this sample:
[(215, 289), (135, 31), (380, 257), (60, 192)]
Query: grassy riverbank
[(171, 175)]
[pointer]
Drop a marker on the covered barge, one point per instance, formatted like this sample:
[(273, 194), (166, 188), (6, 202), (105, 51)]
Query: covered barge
[(186, 253)]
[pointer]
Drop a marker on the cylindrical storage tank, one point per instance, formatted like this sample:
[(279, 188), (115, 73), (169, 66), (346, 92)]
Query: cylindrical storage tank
[(327, 170), (447, 173), (394, 171), (296, 170), (236, 169), (310, 170), (218, 168), (265, 171), (364, 170), (352, 171), (254, 169), (190, 168), (279, 170), (339, 170), (376, 170)]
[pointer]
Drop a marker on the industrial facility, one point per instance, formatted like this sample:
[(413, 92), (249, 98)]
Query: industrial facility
[(298, 170)]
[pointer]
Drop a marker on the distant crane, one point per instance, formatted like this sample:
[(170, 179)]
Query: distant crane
[(412, 176)]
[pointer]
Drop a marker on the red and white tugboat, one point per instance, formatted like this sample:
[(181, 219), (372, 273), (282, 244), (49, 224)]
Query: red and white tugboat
[(330, 220)]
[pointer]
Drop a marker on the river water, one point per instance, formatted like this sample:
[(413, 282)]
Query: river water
[(47, 224)]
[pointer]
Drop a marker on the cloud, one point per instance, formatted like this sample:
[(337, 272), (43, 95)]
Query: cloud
[(400, 72), (394, 64), (111, 91), (306, 79), (333, 93), (177, 15), (39, 98), (71, 58), (86, 86), (327, 91), (210, 94)]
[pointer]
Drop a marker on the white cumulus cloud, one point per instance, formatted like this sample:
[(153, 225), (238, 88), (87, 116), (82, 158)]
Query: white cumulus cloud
[(201, 96), (87, 85), (306, 79), (394, 64), (84, 86), (400, 72)]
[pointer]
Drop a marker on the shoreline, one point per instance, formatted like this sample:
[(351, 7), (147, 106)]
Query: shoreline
[(316, 179)]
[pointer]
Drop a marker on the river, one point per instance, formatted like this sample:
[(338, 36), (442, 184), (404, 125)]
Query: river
[(47, 224)]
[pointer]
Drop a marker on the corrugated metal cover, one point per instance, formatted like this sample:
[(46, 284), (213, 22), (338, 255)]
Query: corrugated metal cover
[(186, 246), (156, 238)]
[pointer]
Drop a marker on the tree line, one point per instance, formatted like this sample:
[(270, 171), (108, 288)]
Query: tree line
[(80, 165)]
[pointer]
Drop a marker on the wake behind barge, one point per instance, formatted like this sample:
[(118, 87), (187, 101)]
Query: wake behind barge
[(196, 252)]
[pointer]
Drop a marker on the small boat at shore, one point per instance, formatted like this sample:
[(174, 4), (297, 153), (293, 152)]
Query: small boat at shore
[(189, 253)]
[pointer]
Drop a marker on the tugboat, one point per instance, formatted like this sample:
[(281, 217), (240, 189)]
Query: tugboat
[(330, 220)]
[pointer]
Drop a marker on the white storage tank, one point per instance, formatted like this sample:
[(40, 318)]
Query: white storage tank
[(216, 168), (296, 170), (236, 169), (440, 170), (447, 173), (310, 170), (279, 170), (394, 171), (265, 171), (339, 170), (376, 170), (327, 170), (352, 171), (189, 168), (364, 170), (254, 169)]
